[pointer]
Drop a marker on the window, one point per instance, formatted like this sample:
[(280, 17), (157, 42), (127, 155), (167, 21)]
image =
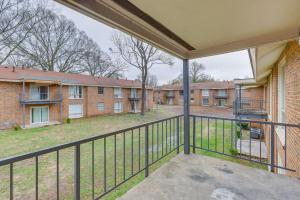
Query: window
[(133, 93), (205, 92), (222, 102), (181, 92), (75, 111), (205, 101), (75, 92), (192, 91), (192, 100), (222, 93), (118, 107), (100, 90), (39, 114), (118, 92), (100, 107), (39, 92)]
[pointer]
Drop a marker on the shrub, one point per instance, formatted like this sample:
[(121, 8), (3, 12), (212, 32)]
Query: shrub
[(68, 121), (238, 134), (233, 151), (243, 125), (17, 127)]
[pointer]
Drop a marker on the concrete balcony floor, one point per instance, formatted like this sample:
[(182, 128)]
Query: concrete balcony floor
[(200, 177)]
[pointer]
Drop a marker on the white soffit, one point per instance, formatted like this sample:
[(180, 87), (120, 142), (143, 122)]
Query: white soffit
[(209, 26)]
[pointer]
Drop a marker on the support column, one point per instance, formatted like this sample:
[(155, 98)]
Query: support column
[(23, 105), (186, 106)]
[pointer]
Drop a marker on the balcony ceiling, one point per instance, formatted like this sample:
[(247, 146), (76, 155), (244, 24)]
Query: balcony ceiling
[(198, 28)]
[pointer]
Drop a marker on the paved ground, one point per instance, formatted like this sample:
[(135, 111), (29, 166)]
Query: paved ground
[(201, 177), (200, 110), (258, 149)]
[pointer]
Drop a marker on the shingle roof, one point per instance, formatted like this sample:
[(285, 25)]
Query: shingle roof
[(7, 74), (201, 85)]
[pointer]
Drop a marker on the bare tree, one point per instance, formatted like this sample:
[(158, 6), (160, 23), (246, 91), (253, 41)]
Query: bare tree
[(17, 17), (98, 63), (150, 81), (141, 56), (55, 44), (196, 71)]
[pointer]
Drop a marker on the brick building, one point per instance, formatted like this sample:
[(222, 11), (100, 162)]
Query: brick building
[(30, 97), (213, 93), (278, 72)]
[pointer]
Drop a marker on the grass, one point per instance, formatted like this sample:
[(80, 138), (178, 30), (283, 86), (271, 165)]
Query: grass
[(39, 138)]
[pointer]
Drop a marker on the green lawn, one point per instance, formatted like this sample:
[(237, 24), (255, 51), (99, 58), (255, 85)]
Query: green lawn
[(22, 141)]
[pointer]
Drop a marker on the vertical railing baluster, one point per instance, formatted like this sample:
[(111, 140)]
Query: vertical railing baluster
[(124, 157), (194, 134), (152, 140), (177, 132), (241, 136), (11, 181), (104, 157), (170, 136), (166, 136), (162, 138), (57, 175), (201, 132), (36, 177), (93, 169), (157, 141), (216, 135), (208, 133), (250, 142), (272, 147), (139, 149), (131, 152), (174, 133), (260, 143), (223, 137), (77, 172), (146, 151), (285, 147), (231, 132), (115, 160)]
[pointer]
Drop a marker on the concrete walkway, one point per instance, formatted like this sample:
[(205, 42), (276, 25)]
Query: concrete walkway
[(189, 177)]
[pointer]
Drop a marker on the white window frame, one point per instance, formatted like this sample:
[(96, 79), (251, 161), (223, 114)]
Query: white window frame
[(118, 92), (77, 94), (205, 92), (82, 114), (39, 93), (32, 116), (281, 92), (207, 102), (101, 106), (133, 93), (120, 109), (221, 92)]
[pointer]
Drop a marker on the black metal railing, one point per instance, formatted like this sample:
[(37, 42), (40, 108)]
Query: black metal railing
[(101, 163), (246, 106), (42, 98), (249, 140)]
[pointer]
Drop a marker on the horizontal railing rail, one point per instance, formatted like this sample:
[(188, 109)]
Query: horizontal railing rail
[(116, 157), (250, 140), (41, 97)]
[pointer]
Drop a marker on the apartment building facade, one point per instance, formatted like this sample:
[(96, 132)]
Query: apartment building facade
[(280, 81), (32, 98), (213, 93)]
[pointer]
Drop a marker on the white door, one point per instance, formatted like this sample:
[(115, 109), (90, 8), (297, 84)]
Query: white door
[(75, 111)]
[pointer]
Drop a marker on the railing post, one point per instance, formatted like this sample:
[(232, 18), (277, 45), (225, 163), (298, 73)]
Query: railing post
[(177, 134), (146, 151), (272, 147), (186, 106), (77, 172), (194, 134)]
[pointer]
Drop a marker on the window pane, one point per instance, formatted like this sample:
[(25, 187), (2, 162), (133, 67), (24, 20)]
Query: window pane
[(36, 115), (44, 114)]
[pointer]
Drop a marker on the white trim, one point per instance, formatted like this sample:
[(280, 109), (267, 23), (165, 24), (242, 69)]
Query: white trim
[(39, 84), (30, 110)]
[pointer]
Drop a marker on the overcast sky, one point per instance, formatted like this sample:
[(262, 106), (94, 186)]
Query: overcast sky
[(221, 67)]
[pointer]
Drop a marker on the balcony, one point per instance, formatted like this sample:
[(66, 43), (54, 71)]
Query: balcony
[(170, 95), (42, 98), (250, 108), (103, 163), (221, 96), (134, 98)]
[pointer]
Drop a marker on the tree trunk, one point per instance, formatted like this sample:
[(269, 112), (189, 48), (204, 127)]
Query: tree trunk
[(143, 92)]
